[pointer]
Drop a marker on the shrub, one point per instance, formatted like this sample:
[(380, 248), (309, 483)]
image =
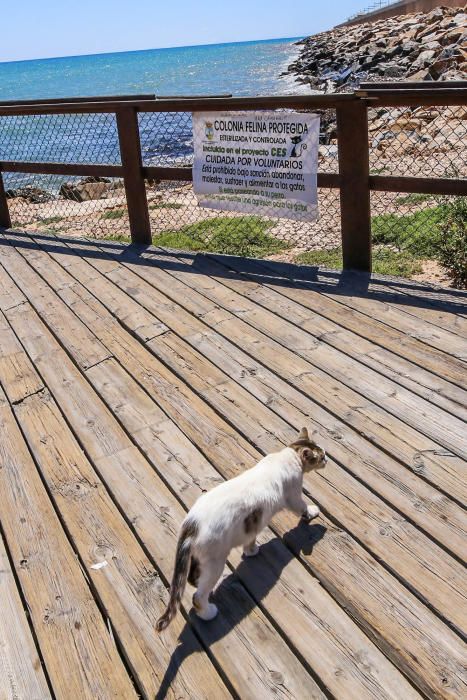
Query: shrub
[(451, 246)]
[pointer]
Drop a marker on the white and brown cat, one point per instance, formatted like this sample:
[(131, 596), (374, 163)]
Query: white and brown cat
[(232, 515)]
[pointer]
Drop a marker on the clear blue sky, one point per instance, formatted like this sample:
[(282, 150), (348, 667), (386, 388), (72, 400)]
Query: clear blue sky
[(47, 28)]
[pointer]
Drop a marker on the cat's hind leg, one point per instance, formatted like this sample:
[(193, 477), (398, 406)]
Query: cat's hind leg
[(210, 573), (250, 549)]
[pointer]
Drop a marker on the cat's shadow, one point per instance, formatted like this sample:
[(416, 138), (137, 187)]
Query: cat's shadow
[(257, 574)]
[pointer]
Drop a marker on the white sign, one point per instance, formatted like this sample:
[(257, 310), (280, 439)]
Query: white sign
[(261, 163)]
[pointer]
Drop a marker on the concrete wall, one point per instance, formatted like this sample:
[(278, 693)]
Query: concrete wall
[(404, 7)]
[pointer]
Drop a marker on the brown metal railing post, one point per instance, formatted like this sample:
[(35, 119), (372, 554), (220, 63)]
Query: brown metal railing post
[(130, 151), (354, 170), (5, 220)]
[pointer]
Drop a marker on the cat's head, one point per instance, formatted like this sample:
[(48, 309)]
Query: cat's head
[(312, 456)]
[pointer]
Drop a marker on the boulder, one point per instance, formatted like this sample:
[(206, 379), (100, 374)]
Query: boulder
[(82, 192), (30, 194)]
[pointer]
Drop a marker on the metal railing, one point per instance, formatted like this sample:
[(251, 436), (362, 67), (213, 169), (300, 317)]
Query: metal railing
[(139, 151)]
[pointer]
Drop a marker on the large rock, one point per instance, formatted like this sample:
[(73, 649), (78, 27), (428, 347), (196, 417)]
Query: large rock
[(420, 47), (89, 188), (30, 194)]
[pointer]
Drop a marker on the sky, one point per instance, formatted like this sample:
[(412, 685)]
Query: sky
[(49, 28)]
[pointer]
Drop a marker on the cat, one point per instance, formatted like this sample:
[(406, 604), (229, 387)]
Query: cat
[(232, 515)]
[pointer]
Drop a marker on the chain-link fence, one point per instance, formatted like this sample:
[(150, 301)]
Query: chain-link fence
[(426, 142), (56, 203), (423, 142), (96, 206)]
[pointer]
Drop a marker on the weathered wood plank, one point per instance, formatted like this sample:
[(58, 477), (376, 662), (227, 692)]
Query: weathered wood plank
[(286, 302), (21, 674), (418, 452), (81, 658), (131, 408), (415, 639), (62, 322), (180, 403), (248, 639), (20, 378), (377, 673), (128, 586), (414, 410), (323, 295)]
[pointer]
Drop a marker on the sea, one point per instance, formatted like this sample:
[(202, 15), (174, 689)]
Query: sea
[(249, 68)]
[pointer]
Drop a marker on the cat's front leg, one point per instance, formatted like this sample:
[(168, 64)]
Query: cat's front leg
[(296, 503)]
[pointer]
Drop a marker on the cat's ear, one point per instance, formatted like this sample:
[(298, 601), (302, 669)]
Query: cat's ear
[(303, 435)]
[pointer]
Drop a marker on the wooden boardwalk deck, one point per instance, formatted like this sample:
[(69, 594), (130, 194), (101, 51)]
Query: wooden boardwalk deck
[(131, 381)]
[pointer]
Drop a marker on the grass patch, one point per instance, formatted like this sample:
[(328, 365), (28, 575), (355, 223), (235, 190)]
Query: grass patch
[(51, 220), (385, 261), (416, 233), (114, 214), (244, 235), (166, 205), (414, 198)]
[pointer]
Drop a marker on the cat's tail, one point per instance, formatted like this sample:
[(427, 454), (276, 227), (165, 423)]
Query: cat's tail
[(182, 564)]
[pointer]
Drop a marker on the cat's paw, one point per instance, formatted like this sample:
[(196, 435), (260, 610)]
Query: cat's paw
[(209, 613), (310, 513), (251, 551)]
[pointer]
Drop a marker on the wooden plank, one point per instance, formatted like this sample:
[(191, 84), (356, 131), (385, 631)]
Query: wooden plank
[(154, 377), (243, 634), (296, 283), (130, 589), (93, 98), (19, 374), (326, 180), (188, 327), (287, 302), (61, 320), (369, 298), (135, 188), (84, 169), (416, 451), (425, 185), (445, 429), (128, 586), (217, 104), (182, 484), (81, 658), (354, 169), (412, 636), (21, 674), (421, 454), (407, 298)]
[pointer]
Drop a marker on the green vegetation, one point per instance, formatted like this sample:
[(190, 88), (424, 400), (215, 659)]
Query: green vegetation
[(51, 220), (166, 205), (415, 233), (244, 235), (385, 261), (114, 214), (414, 198), (402, 242), (451, 246)]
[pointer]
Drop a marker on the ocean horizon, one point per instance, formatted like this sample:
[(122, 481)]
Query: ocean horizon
[(247, 68)]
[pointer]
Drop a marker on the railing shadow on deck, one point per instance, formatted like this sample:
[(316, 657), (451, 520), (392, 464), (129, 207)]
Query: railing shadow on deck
[(280, 274), (261, 573)]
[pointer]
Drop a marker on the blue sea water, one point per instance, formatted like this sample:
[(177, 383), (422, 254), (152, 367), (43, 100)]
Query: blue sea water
[(247, 69)]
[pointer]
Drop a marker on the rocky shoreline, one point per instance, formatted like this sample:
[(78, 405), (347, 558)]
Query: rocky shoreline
[(414, 47)]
